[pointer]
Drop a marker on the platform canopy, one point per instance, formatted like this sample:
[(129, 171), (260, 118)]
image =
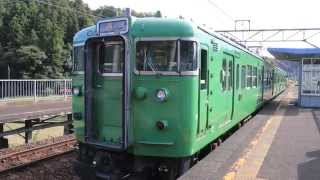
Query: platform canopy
[(294, 54)]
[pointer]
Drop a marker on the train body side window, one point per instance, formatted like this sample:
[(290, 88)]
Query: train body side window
[(243, 76), (254, 77), (237, 76), (249, 76), (259, 78), (230, 75), (268, 79), (203, 69), (223, 75)]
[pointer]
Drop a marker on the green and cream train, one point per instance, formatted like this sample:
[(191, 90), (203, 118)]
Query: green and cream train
[(150, 94)]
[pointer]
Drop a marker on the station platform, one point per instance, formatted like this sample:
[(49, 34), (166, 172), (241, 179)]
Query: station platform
[(19, 111), (281, 142)]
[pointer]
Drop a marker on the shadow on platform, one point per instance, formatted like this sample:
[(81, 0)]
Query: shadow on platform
[(310, 170), (316, 117)]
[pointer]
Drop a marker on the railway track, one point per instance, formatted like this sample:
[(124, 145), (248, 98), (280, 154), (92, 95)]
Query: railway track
[(31, 153)]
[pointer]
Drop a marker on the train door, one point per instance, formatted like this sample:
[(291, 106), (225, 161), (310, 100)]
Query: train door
[(229, 93), (203, 90), (211, 86), (237, 92), (261, 77), (105, 96)]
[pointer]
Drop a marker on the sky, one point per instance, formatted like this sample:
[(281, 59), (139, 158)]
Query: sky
[(220, 14)]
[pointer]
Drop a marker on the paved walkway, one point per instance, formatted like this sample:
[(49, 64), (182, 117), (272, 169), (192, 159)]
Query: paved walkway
[(281, 142), (13, 111)]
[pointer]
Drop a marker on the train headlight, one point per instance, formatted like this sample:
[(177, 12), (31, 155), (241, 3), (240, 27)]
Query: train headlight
[(162, 95), (76, 91)]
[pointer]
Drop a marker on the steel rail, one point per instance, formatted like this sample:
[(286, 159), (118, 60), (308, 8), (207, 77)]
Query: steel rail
[(37, 153)]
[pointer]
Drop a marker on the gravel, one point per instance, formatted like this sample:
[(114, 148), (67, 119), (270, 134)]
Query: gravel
[(57, 168)]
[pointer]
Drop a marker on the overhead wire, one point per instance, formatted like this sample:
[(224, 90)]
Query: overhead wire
[(221, 10)]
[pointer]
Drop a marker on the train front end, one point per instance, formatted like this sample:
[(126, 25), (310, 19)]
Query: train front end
[(140, 98)]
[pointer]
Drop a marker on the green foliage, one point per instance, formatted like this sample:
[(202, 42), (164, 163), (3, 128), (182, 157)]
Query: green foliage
[(107, 11), (36, 35), (29, 59), (110, 11), (36, 38)]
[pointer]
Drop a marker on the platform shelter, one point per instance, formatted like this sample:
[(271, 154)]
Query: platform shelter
[(308, 73)]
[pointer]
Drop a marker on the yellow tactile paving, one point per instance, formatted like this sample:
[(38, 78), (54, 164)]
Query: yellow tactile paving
[(249, 164)]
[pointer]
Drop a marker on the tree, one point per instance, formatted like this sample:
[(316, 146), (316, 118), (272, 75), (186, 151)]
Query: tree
[(158, 14), (108, 11), (30, 59), (36, 38), (25, 62), (29, 28)]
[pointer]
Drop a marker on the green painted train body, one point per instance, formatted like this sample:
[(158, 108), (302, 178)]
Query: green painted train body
[(220, 85)]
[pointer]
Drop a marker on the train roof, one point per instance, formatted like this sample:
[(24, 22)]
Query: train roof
[(231, 42), (81, 36), (152, 27)]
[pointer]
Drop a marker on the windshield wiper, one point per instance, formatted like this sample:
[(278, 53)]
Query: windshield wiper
[(152, 66)]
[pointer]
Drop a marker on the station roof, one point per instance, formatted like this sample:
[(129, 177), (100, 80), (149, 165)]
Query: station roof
[(294, 54)]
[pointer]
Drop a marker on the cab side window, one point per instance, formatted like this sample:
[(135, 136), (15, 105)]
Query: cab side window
[(203, 69)]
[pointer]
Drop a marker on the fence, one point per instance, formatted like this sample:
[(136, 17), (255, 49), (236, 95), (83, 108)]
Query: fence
[(13, 90)]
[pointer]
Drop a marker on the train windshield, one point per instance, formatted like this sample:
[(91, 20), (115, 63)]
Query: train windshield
[(163, 56), (78, 58)]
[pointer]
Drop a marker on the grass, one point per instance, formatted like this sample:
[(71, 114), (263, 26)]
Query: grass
[(37, 135)]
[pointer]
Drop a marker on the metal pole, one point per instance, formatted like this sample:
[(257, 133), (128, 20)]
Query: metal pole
[(3, 141), (2, 95), (68, 126), (28, 131), (35, 90), (65, 89)]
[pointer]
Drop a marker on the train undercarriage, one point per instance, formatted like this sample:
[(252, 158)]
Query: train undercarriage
[(96, 163)]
